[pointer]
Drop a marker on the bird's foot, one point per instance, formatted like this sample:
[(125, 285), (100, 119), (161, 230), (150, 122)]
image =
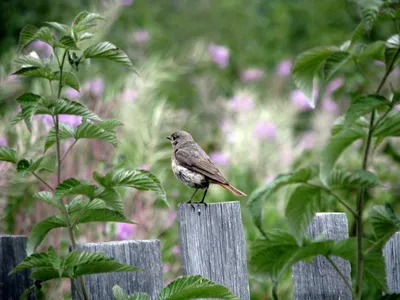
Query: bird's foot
[(205, 205), (191, 204)]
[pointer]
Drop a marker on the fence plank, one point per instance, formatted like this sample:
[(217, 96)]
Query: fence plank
[(391, 251), (212, 244), (318, 280), (12, 252), (145, 254)]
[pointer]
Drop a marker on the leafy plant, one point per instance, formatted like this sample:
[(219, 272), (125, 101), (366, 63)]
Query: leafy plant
[(369, 118)]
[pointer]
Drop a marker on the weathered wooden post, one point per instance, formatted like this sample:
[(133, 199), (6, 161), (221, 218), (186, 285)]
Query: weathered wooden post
[(212, 244), (391, 251), (12, 252), (144, 254), (319, 280)]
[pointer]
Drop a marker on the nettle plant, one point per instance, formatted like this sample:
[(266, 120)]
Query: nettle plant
[(370, 118), (79, 201)]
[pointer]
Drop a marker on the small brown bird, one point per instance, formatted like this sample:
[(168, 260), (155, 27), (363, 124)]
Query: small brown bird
[(194, 168)]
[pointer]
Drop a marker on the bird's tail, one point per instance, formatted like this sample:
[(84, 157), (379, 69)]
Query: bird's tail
[(233, 190)]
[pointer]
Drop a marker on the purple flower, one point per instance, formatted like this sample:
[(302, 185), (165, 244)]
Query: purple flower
[(219, 54), (225, 126), (219, 158), (308, 140), (47, 119), (243, 102), (265, 130), (166, 268), (3, 141), (252, 74), (141, 36), (269, 179), (125, 231), (71, 93), (299, 100), (126, 2), (334, 85), (129, 95), (329, 105), (43, 49), (284, 68), (95, 87), (176, 250), (379, 63), (170, 218), (144, 167), (397, 107), (70, 120)]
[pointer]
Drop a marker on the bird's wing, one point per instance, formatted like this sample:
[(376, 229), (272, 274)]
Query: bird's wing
[(198, 161)]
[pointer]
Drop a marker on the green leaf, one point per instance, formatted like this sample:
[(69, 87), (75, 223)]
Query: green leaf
[(369, 10), (45, 274), (8, 154), (101, 215), (93, 263), (360, 125), (29, 61), (384, 221), (301, 208), (64, 187), (23, 165), (307, 66), (358, 34), (79, 203), (67, 43), (26, 293), (47, 197), (65, 132), (44, 163), (189, 287), (109, 125), (30, 33), (68, 79), (334, 62), (138, 179), (112, 198), (354, 179), (66, 107), (363, 106), (109, 51), (40, 230), (374, 270), (392, 46), (35, 260), (16, 119), (390, 126), (89, 130), (29, 103), (333, 149), (260, 195), (85, 20), (86, 36), (60, 27), (45, 72), (119, 294)]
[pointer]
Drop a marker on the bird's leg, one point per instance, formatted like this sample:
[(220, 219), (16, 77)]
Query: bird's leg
[(204, 196), (190, 201)]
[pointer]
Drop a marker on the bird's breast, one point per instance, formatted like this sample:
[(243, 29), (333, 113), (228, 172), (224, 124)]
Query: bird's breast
[(188, 177)]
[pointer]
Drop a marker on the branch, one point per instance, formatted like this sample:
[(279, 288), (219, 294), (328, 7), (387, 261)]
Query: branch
[(41, 180), (68, 150), (340, 274)]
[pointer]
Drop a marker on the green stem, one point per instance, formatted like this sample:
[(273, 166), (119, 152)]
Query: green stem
[(80, 214), (343, 202), (275, 291), (76, 288), (68, 150), (361, 195), (65, 211), (340, 274), (381, 119), (41, 180)]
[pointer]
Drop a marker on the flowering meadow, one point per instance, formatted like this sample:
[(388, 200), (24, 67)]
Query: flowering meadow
[(221, 70)]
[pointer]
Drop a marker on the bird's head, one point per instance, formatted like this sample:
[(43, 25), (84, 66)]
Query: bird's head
[(179, 137)]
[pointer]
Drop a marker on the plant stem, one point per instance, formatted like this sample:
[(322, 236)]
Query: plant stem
[(68, 150), (41, 180), (361, 195), (381, 119), (343, 202), (65, 211), (340, 274), (275, 291), (76, 288)]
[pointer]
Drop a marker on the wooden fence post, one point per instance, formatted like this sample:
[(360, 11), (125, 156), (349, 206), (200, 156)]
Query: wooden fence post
[(12, 252), (145, 254), (318, 280), (212, 244), (391, 251)]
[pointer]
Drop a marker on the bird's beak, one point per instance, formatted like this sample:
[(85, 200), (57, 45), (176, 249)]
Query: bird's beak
[(168, 138)]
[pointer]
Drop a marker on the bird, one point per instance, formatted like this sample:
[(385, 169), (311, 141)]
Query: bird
[(194, 168)]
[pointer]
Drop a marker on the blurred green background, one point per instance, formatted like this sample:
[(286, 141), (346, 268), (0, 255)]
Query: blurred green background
[(220, 70)]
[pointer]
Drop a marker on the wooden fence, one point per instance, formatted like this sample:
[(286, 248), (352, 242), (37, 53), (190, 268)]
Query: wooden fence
[(212, 244)]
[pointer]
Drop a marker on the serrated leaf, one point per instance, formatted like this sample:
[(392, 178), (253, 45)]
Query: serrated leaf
[(334, 148), (333, 63), (44, 72), (66, 107), (364, 105), (89, 130), (101, 215), (67, 42), (85, 20), (307, 66), (64, 187), (301, 208), (29, 103), (29, 61), (360, 125), (108, 51), (30, 33), (35, 260), (260, 195), (88, 190), (23, 165), (392, 56), (26, 293), (119, 294), (112, 198), (79, 203), (390, 126), (109, 125), (138, 179), (16, 119), (189, 287), (47, 197), (374, 269), (358, 33), (86, 36), (60, 27), (354, 179), (384, 221), (44, 163), (8, 154), (45, 274), (68, 79), (40, 230), (65, 132), (369, 10)]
